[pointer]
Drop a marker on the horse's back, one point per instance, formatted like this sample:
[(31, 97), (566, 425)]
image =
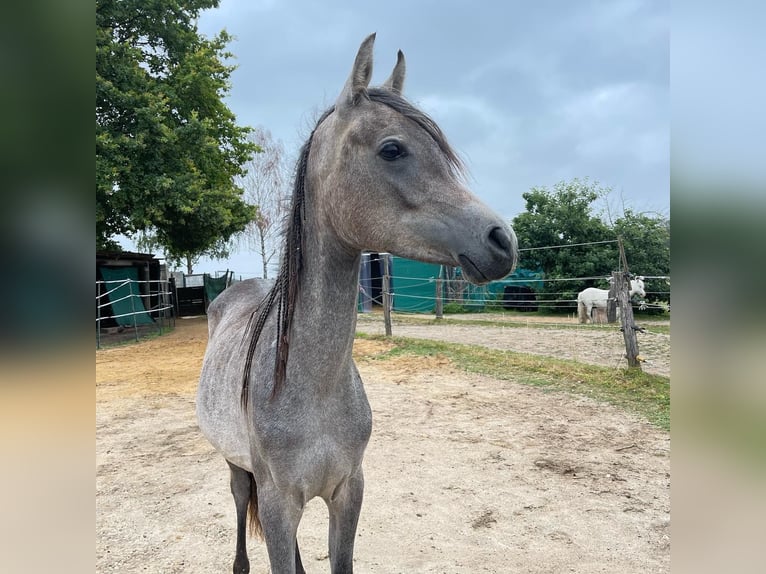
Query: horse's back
[(219, 411), (237, 302), (592, 294)]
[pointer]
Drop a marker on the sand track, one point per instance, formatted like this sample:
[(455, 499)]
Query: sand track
[(464, 473)]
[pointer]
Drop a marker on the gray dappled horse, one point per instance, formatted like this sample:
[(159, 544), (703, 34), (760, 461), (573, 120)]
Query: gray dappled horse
[(279, 395)]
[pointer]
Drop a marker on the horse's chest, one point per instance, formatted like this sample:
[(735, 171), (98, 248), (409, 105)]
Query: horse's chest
[(314, 443)]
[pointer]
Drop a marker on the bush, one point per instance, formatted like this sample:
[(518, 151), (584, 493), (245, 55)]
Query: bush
[(453, 308)]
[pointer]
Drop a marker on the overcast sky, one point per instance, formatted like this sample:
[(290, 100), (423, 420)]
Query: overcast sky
[(529, 93)]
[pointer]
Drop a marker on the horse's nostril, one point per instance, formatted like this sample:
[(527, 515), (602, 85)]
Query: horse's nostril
[(500, 239)]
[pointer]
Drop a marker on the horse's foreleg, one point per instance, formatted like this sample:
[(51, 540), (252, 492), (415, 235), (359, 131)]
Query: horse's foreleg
[(298, 564), (584, 311), (280, 515), (240, 489), (345, 506)]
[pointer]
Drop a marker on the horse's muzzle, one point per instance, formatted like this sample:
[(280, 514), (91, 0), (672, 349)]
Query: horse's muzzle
[(496, 260)]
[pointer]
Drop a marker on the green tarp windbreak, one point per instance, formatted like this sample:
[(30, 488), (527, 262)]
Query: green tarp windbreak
[(214, 286), (127, 305)]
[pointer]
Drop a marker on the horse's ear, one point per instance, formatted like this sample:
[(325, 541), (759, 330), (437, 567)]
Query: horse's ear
[(361, 73), (395, 81)]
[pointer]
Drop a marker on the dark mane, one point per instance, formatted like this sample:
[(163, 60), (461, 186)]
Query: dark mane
[(282, 294), (288, 280)]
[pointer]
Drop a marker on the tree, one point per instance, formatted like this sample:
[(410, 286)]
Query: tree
[(563, 217), (167, 148), (647, 242), (264, 185)]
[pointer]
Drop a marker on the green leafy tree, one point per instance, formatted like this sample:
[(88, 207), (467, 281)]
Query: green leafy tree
[(168, 149), (646, 240), (563, 216)]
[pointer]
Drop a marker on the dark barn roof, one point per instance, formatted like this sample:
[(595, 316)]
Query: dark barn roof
[(123, 256)]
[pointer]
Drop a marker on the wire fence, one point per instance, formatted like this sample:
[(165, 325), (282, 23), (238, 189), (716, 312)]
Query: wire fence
[(525, 293), (127, 305), (140, 306), (464, 296)]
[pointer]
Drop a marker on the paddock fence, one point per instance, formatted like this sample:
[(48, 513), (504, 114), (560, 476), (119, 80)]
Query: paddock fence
[(470, 297), (441, 288), (129, 308)]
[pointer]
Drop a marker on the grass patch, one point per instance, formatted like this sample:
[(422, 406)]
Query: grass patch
[(642, 393)]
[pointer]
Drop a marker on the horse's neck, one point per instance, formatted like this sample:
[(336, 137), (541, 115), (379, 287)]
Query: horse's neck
[(329, 287), (324, 321)]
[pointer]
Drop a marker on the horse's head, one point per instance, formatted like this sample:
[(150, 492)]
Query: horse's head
[(384, 178)]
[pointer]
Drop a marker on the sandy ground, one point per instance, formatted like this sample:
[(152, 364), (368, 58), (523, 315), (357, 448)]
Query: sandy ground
[(464, 473)]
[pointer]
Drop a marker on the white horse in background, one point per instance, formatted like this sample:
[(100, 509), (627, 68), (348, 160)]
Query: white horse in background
[(594, 298)]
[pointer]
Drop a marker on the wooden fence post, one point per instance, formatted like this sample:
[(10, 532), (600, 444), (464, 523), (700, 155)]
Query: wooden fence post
[(439, 302), (133, 307), (611, 303), (386, 296), (621, 284), (98, 314)]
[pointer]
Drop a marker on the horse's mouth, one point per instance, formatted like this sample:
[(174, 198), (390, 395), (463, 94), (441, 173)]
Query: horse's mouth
[(471, 272)]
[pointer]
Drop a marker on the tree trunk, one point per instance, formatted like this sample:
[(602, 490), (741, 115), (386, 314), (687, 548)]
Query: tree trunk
[(189, 269), (262, 237)]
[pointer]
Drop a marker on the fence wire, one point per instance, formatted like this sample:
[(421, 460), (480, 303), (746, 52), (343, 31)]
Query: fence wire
[(150, 298), (460, 291)]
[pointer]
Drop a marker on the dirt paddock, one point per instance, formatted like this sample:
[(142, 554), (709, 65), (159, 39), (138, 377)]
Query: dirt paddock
[(464, 473)]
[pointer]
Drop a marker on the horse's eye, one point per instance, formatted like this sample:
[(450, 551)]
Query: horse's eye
[(392, 150)]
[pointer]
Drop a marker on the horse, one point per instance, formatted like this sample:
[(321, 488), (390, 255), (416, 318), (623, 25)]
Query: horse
[(594, 298), (279, 395)]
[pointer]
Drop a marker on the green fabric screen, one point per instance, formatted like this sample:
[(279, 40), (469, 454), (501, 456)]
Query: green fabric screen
[(414, 285), (125, 299), (519, 278), (214, 286)]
